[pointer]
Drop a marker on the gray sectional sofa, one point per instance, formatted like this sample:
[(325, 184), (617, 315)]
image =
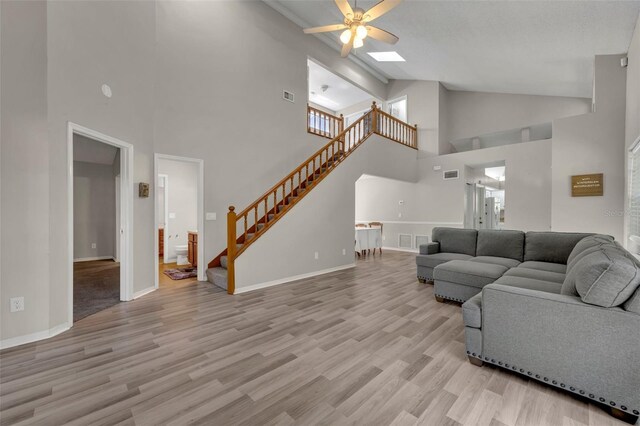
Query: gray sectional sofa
[(561, 308)]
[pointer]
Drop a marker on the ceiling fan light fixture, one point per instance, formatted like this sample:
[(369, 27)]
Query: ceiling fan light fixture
[(357, 42), (361, 31), (345, 36)]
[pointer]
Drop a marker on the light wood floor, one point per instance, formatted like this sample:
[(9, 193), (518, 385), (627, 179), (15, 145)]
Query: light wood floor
[(365, 346)]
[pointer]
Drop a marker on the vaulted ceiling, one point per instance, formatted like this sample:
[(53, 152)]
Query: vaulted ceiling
[(538, 47)]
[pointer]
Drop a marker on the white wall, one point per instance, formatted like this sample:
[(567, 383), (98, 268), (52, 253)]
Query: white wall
[(94, 210), (433, 201), (323, 221), (593, 143), (173, 82), (206, 86), (24, 154), (183, 203), (472, 114), (632, 122), (422, 109)]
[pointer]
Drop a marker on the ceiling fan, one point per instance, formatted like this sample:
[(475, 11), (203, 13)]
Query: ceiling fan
[(356, 26)]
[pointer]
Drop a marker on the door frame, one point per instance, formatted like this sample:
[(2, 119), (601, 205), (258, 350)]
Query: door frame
[(200, 209), (405, 98), (126, 210), (166, 214)]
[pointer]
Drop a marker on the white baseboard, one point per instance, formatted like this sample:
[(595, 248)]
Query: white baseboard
[(400, 249), (143, 292), (293, 278), (33, 337), (89, 259)]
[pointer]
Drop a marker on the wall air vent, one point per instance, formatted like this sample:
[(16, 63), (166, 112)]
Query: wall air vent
[(404, 241), (288, 96), (450, 174), (421, 239)]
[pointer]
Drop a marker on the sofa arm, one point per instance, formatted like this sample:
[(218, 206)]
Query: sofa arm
[(430, 248), (560, 340)]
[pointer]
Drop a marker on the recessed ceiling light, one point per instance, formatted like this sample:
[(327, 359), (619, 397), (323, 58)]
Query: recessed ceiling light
[(386, 56)]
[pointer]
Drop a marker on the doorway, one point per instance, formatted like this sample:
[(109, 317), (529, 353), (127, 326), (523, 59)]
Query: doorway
[(99, 221), (485, 201), (179, 220), (398, 108)]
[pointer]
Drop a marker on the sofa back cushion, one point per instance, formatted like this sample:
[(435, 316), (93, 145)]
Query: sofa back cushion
[(553, 247), (605, 277), (509, 244), (456, 240), (588, 245)]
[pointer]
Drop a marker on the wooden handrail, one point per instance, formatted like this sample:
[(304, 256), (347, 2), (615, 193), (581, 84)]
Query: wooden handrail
[(329, 125), (259, 216)]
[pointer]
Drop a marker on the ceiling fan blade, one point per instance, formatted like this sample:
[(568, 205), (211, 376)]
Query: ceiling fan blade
[(325, 29), (379, 9), (346, 48), (345, 8), (381, 35)]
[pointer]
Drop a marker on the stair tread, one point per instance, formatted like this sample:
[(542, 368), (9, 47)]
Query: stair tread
[(217, 276)]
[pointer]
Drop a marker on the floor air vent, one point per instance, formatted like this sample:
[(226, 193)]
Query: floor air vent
[(404, 241)]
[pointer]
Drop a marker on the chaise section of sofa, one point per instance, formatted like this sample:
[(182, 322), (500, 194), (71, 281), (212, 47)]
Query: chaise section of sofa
[(496, 252), (581, 335), (447, 244)]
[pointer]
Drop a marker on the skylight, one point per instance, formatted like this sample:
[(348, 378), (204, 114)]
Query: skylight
[(386, 56)]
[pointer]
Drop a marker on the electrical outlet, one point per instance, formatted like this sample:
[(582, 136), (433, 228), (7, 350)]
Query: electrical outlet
[(172, 215), (17, 304), (93, 245), (399, 214), (316, 255), (344, 252)]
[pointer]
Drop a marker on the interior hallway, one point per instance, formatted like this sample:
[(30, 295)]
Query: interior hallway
[(96, 286), (368, 345)]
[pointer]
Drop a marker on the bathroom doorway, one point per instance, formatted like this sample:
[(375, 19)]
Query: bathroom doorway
[(179, 247), (99, 205)]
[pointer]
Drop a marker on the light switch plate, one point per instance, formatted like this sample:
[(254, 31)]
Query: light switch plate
[(172, 215), (211, 216)]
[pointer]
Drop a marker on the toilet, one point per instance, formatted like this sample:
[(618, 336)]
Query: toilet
[(181, 254)]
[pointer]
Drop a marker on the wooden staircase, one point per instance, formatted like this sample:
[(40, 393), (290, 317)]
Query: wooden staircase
[(246, 227)]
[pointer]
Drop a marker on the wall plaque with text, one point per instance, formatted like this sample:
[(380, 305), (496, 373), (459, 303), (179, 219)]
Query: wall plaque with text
[(587, 185)]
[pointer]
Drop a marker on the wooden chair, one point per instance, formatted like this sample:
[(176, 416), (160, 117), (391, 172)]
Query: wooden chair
[(377, 225)]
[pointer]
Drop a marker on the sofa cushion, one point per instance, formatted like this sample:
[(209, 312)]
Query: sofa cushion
[(472, 311), (607, 277), (502, 261), (587, 244), (474, 274), (455, 240), (553, 247), (530, 284), (429, 248), (633, 304), (544, 266), (493, 242), (433, 260), (536, 274)]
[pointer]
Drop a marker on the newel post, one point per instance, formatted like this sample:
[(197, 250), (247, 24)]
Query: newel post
[(374, 117), (231, 249), (415, 137), (341, 125)]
